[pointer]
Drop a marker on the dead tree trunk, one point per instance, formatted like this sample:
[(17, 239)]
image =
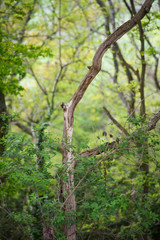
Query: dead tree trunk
[(68, 158)]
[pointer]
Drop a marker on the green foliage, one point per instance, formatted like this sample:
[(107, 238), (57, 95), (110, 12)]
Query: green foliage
[(21, 179), (13, 53), (12, 63), (35, 44)]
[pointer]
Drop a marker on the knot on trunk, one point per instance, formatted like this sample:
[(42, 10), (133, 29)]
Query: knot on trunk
[(63, 106)]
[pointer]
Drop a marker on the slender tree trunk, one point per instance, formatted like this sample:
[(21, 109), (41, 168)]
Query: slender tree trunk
[(144, 148), (70, 228), (69, 201), (3, 122)]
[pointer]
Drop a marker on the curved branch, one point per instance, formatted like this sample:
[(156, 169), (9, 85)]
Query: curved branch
[(97, 60)]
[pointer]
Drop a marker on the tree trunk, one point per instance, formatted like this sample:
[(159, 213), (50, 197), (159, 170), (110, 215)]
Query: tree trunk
[(3, 122), (69, 201), (70, 205)]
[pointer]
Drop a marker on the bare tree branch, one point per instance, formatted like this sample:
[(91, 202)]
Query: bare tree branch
[(98, 150), (22, 127), (38, 82), (128, 7), (123, 130)]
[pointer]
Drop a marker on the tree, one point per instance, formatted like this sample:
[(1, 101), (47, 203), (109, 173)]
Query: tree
[(68, 157)]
